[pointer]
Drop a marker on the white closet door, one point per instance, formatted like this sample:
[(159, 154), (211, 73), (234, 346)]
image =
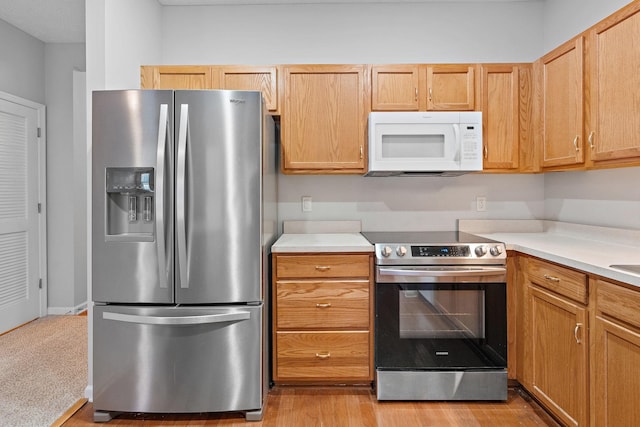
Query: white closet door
[(19, 222)]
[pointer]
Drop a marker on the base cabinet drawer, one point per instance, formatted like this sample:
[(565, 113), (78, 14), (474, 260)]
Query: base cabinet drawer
[(322, 355)]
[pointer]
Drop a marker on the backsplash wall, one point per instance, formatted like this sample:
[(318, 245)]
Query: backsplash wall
[(411, 203)]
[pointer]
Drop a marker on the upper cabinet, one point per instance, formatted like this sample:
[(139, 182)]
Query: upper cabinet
[(324, 119), (235, 77), (419, 87), (506, 116), (241, 77), (561, 83), (451, 87), (175, 77), (394, 88), (614, 94)]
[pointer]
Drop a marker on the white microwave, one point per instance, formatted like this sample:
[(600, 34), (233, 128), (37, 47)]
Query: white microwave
[(424, 143)]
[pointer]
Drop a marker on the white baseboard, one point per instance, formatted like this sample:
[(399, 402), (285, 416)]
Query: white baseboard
[(67, 310)]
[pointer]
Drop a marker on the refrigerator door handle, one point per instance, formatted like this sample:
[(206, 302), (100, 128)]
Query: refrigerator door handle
[(177, 320), (163, 136), (181, 187)]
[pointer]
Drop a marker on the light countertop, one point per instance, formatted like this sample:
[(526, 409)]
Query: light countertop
[(588, 248), (322, 242)]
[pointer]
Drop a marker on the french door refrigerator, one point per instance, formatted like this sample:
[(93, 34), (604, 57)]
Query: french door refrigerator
[(184, 215)]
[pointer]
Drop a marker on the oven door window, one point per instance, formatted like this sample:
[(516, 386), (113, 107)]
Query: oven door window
[(443, 326)]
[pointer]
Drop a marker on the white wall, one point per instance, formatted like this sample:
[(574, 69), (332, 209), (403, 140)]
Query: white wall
[(564, 19), (353, 33), (21, 64)]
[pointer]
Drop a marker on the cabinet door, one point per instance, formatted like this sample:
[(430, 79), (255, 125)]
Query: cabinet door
[(451, 87), (614, 99), (324, 119), (560, 354), (394, 88), (562, 106), (175, 77), (264, 79), (500, 108)]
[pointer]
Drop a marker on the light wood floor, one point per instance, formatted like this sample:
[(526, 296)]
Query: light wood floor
[(349, 407)]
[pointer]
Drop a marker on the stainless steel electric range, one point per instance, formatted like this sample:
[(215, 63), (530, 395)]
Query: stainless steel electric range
[(440, 316)]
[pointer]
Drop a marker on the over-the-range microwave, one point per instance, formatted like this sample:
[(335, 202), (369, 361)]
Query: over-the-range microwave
[(425, 143)]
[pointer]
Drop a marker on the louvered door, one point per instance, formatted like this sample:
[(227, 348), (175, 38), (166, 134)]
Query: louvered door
[(19, 222)]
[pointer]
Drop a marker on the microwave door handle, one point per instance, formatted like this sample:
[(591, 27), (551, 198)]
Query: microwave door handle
[(163, 137), (456, 135)]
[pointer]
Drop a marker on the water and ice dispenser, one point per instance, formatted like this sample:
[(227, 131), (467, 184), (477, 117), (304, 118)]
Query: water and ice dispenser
[(130, 205)]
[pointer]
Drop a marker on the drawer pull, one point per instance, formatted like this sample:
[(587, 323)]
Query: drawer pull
[(323, 267), (575, 333), (323, 355), (552, 278), (323, 305)]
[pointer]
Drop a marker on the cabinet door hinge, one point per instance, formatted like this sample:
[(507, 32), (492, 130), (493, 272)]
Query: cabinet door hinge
[(39, 283)]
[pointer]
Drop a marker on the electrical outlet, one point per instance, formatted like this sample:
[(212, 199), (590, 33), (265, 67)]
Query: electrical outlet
[(306, 204), (481, 204)]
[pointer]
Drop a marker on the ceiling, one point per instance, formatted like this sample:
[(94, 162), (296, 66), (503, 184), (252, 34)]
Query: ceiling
[(62, 21)]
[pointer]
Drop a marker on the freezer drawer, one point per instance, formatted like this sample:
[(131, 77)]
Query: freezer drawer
[(176, 359)]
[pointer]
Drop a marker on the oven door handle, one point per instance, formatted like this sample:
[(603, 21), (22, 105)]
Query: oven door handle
[(440, 272)]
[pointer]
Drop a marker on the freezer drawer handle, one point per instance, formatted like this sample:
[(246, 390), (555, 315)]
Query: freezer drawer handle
[(177, 320)]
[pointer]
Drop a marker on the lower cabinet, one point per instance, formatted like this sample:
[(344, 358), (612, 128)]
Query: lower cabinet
[(322, 318), (560, 355), (616, 356), (556, 339)]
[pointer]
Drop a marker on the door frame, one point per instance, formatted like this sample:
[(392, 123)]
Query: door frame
[(42, 191)]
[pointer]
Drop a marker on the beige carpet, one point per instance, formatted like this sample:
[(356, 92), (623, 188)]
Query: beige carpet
[(43, 370)]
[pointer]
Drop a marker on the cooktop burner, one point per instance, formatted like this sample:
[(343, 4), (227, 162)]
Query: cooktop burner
[(435, 247)]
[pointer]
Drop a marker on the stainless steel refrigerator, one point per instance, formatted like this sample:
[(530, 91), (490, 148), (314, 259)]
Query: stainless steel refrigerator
[(184, 215)]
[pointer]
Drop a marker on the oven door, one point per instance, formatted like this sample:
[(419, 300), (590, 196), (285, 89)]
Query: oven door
[(441, 318)]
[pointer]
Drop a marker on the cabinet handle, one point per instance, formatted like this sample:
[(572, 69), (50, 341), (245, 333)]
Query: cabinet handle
[(486, 152), (323, 267), (361, 153), (430, 94), (552, 278), (591, 144), (323, 305), (575, 333), (324, 355), (416, 94), (575, 143)]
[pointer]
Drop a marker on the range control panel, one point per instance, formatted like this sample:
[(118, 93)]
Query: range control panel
[(476, 253)]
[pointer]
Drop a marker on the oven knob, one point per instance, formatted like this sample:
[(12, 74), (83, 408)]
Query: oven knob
[(386, 251), (481, 251), (401, 251), (496, 250)]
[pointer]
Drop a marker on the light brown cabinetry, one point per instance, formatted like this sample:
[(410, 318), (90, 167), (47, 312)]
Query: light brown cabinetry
[(175, 77), (562, 83), (324, 119), (616, 356), (235, 77), (243, 77), (451, 87), (505, 97), (322, 318), (614, 61), (558, 340), (395, 88)]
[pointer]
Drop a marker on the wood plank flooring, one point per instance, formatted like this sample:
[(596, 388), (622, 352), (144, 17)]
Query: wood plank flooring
[(348, 407)]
